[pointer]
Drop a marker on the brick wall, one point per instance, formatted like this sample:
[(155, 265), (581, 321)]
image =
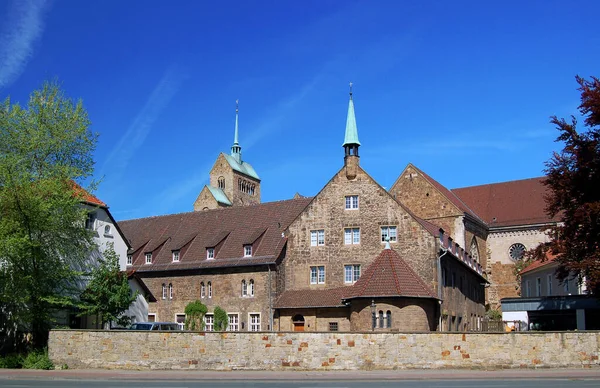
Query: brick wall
[(321, 351)]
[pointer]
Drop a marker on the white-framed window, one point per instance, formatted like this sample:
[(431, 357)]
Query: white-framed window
[(176, 256), (210, 253), (164, 291), (247, 250), (180, 319), (389, 233), (151, 317), (317, 274), (549, 285), (244, 288), (148, 258), (209, 322), (234, 322), (351, 202), (210, 289), (202, 290), (170, 290), (527, 288), (251, 288), (351, 236), (129, 259), (538, 287), (254, 322), (351, 273), (317, 238)]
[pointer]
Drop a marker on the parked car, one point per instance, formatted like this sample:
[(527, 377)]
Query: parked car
[(155, 326)]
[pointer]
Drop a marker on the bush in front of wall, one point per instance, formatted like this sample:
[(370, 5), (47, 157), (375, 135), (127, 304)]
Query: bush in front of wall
[(38, 359)]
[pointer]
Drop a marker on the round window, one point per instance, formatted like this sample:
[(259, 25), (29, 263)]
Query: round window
[(516, 251)]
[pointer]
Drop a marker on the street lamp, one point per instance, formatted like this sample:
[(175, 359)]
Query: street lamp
[(373, 315)]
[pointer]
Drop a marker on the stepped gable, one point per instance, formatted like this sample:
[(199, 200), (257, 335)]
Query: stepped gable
[(512, 203), (389, 276), (311, 298), (226, 230)]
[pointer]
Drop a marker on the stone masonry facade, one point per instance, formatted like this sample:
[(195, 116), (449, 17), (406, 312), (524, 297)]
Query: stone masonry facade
[(321, 351)]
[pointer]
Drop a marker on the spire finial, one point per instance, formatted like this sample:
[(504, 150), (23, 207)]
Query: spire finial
[(351, 90), (236, 150)]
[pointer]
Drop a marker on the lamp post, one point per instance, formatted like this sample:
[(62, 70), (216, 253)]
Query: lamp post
[(373, 314)]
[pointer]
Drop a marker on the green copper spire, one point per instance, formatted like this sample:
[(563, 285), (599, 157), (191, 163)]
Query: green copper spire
[(236, 150), (351, 130)]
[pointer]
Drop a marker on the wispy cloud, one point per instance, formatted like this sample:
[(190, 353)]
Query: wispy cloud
[(22, 28), (137, 132)]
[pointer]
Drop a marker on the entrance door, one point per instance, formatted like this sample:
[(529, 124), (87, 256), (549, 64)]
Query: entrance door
[(298, 321)]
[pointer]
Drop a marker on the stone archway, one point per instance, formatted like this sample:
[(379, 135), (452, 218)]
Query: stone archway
[(298, 322)]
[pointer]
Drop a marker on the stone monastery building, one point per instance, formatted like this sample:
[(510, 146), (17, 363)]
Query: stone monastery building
[(355, 257)]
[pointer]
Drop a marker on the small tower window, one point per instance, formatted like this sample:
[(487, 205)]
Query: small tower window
[(221, 182)]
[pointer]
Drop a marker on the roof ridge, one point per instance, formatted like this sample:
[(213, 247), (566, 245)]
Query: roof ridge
[(499, 183), (396, 280)]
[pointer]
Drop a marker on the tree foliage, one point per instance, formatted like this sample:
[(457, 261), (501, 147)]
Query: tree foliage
[(573, 178), (221, 319), (44, 148), (107, 295), (194, 315)]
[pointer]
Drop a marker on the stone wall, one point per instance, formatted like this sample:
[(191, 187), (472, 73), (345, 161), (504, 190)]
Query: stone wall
[(320, 351)]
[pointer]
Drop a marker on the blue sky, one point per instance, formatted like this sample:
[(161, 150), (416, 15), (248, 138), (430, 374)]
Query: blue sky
[(461, 89)]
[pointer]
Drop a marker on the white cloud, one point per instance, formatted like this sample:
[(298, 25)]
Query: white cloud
[(23, 27)]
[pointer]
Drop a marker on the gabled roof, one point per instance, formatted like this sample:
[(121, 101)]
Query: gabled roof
[(219, 195), (331, 297), (452, 197), (389, 276), (549, 260), (230, 227), (243, 167), (512, 203), (86, 197)]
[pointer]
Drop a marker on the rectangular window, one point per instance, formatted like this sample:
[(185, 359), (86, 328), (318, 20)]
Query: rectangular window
[(129, 260), (170, 290), (175, 256), (351, 273), (254, 322), (180, 319), (566, 286), (210, 289), (317, 238), (210, 253), (151, 317), (90, 221), (527, 289), (317, 275), (247, 250), (352, 236), (234, 322), (164, 291), (549, 285), (333, 326), (209, 322), (538, 286), (351, 202), (389, 233), (148, 258)]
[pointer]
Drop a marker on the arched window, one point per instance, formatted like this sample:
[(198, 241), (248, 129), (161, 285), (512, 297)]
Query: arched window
[(240, 184), (164, 291), (107, 229), (389, 319), (221, 182), (209, 289), (474, 250), (244, 288), (170, 290), (251, 288), (380, 319), (202, 290)]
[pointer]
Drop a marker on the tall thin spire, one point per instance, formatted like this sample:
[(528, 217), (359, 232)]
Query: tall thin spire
[(236, 149), (351, 130)]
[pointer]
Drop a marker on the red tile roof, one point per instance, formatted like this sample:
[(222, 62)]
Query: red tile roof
[(389, 275), (331, 297), (226, 230), (550, 259), (87, 197), (519, 202)]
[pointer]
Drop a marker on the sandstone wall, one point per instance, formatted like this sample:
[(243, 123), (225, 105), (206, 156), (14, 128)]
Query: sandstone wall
[(320, 351)]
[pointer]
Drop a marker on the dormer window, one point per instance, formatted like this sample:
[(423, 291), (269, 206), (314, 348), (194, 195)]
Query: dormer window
[(351, 202), (148, 258), (175, 256), (247, 250), (129, 260), (210, 253)]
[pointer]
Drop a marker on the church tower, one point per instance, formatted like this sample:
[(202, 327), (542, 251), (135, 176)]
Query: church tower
[(233, 182), (351, 142)]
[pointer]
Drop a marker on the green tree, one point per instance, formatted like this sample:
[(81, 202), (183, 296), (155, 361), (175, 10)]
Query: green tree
[(44, 148), (221, 319), (194, 315), (573, 178), (107, 294)]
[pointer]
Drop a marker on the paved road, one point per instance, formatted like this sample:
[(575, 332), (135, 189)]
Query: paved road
[(544, 378)]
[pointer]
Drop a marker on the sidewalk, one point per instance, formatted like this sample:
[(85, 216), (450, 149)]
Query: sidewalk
[(409, 374)]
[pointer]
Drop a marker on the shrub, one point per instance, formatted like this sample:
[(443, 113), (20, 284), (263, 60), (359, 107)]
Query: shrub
[(11, 361), (221, 319), (194, 315), (38, 359)]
